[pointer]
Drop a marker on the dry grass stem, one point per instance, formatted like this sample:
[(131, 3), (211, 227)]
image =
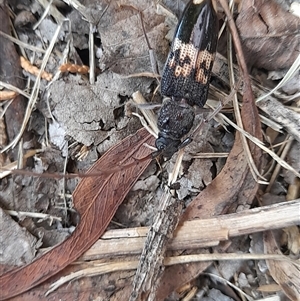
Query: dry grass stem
[(38, 215), (214, 230), (264, 148), (148, 114), (35, 92), (290, 74), (54, 12), (15, 89), (103, 268), (22, 44), (6, 170)]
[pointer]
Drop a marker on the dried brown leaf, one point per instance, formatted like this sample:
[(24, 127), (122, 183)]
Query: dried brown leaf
[(266, 29), (293, 239), (96, 200)]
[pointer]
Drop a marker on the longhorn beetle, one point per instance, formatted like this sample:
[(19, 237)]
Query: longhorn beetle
[(186, 75), (185, 78)]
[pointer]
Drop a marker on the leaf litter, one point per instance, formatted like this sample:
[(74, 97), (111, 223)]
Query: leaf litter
[(233, 189)]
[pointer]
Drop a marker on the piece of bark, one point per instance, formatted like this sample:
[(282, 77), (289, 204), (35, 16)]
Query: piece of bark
[(151, 267)]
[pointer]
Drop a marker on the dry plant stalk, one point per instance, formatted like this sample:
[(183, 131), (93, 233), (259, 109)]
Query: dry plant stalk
[(73, 68), (214, 229), (27, 66), (6, 95), (128, 242)]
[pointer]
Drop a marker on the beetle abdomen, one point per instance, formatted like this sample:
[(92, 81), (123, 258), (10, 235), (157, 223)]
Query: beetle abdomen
[(187, 70)]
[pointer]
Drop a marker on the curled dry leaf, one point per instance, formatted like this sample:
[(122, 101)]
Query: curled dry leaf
[(284, 273), (96, 200), (266, 29)]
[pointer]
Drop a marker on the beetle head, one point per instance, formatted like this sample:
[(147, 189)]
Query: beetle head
[(167, 146)]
